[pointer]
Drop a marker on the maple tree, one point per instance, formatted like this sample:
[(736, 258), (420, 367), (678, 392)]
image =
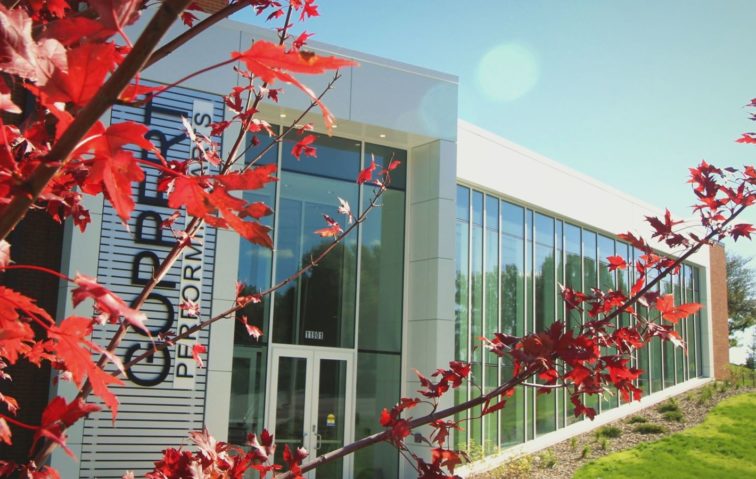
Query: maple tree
[(78, 62)]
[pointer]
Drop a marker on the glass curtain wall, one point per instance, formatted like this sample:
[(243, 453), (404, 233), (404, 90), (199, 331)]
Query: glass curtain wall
[(323, 307), (510, 261)]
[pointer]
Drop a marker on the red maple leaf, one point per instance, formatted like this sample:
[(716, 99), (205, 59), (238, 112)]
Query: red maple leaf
[(198, 349), (20, 54), (6, 102), (637, 242), (188, 18), (111, 306), (666, 305), (333, 228), (303, 146), (73, 348), (747, 138), (207, 195), (16, 335), (742, 229), (252, 330), (5, 432), (113, 169), (366, 174), (271, 62), (58, 415), (616, 262), (87, 67)]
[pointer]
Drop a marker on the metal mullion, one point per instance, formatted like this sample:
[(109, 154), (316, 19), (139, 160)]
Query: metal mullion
[(468, 339), (554, 318), (483, 318), (597, 282), (500, 246), (525, 236), (531, 239), (358, 266)]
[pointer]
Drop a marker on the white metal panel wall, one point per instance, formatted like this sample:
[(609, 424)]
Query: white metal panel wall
[(157, 408), (495, 164)]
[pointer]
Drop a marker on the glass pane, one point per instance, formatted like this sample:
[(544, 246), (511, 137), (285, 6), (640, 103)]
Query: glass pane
[(545, 297), (247, 402), (461, 297), (331, 414), (491, 278), (590, 280), (290, 412), (669, 348), (513, 414), (382, 274), (337, 158), (491, 421), (476, 251), (679, 354), (690, 323), (255, 271), (259, 149), (545, 287), (463, 203), (512, 270), (384, 155), (318, 308), (607, 282), (378, 377), (574, 271)]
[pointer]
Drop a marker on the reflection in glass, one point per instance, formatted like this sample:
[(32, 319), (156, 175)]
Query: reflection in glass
[(381, 274), (331, 414), (545, 293), (319, 307), (378, 377), (669, 348), (247, 402), (590, 280), (383, 156), (290, 404), (338, 158), (607, 282)]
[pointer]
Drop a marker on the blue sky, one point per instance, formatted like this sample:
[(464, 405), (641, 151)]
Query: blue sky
[(632, 93)]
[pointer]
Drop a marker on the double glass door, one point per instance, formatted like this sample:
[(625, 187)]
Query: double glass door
[(310, 405)]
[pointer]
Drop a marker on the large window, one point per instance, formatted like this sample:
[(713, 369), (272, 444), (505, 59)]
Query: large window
[(353, 299), (510, 262)]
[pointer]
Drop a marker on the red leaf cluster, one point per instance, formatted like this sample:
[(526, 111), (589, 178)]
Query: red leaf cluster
[(207, 197)]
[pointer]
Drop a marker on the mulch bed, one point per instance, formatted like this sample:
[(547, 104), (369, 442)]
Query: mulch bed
[(563, 459)]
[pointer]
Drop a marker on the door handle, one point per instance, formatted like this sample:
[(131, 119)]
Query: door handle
[(318, 441)]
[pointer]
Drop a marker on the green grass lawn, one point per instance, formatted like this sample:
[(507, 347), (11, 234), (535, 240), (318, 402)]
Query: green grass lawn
[(723, 446)]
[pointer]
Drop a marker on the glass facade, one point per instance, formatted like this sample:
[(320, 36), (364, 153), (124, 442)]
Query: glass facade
[(353, 300), (510, 261)]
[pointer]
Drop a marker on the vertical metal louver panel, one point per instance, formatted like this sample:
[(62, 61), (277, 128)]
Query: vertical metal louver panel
[(157, 407)]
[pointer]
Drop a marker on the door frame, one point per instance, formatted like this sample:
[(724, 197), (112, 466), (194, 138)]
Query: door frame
[(313, 355)]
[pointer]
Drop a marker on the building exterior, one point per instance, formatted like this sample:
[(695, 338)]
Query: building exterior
[(473, 236)]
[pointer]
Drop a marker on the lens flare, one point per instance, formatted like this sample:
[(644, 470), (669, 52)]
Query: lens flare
[(507, 72)]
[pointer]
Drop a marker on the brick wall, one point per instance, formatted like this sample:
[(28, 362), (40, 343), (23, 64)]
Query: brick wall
[(36, 240), (719, 313)]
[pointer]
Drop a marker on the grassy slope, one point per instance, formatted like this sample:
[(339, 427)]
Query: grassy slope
[(724, 445)]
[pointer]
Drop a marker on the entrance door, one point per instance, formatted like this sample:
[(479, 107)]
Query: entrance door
[(311, 404)]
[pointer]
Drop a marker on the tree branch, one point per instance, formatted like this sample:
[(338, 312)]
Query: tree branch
[(188, 35), (83, 121), (385, 435)]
